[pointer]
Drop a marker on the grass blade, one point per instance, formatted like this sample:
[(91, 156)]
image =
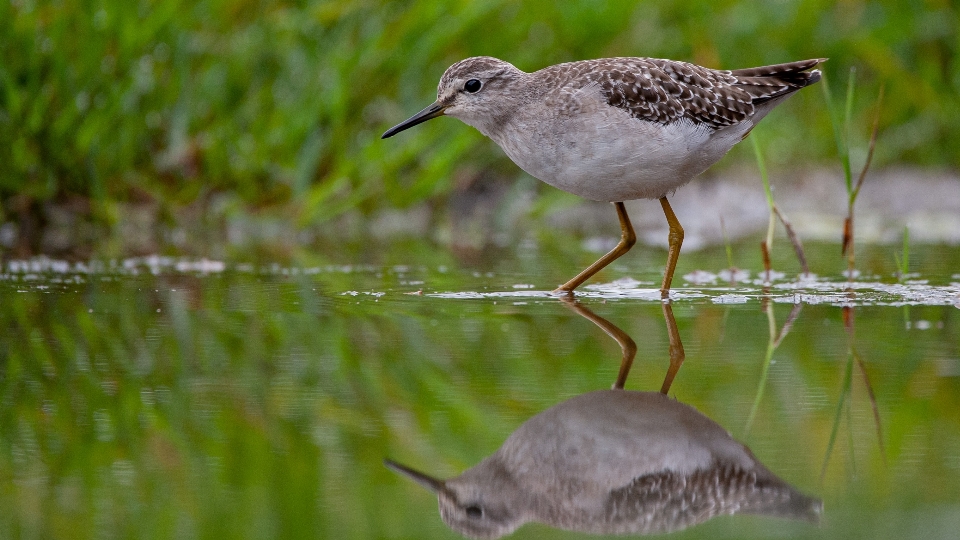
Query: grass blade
[(873, 144), (847, 119), (838, 414), (727, 247), (767, 245), (794, 239), (838, 137), (873, 404)]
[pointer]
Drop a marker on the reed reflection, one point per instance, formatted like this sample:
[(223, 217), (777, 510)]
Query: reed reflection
[(614, 462)]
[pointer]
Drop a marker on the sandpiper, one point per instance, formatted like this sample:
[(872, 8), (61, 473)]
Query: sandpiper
[(614, 129), (613, 462)]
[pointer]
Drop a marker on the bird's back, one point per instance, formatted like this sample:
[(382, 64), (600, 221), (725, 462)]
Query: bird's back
[(666, 91)]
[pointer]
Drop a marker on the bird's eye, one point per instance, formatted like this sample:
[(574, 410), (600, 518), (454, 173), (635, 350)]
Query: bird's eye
[(472, 86), (474, 511)]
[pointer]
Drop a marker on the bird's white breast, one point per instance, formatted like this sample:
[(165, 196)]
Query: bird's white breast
[(602, 153)]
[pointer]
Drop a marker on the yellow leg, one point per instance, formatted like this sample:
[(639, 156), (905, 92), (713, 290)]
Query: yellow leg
[(627, 239), (673, 251)]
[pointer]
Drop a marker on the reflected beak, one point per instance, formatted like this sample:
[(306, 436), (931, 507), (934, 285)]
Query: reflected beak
[(429, 482), (432, 111)]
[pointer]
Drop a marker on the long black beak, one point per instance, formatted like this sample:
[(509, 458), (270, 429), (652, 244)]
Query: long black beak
[(424, 480), (432, 111)]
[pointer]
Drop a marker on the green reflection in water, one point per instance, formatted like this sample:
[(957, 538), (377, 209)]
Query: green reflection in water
[(249, 404)]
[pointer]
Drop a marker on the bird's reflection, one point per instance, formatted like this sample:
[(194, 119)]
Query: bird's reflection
[(614, 462)]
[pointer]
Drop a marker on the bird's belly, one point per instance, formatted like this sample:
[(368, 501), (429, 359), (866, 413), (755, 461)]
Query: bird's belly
[(619, 160)]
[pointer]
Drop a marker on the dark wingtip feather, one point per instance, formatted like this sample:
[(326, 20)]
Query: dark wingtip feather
[(766, 83), (779, 70)]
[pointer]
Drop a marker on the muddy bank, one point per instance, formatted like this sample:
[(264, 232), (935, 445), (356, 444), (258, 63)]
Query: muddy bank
[(502, 212)]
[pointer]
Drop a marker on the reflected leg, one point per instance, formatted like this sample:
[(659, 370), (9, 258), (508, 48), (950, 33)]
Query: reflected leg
[(677, 355), (628, 348), (673, 251), (627, 239)]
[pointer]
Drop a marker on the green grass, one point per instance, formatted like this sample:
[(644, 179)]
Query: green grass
[(253, 105)]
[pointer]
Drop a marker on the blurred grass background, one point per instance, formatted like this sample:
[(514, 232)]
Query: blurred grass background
[(258, 106)]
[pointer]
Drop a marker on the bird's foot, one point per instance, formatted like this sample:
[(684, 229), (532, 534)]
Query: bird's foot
[(561, 292)]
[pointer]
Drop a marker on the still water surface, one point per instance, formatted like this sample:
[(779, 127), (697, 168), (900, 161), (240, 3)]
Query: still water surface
[(157, 398)]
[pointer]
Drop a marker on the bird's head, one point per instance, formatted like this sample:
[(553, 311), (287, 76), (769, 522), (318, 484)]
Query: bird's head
[(477, 504), (476, 91)]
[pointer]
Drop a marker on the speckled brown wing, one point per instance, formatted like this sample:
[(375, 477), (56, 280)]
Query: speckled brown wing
[(666, 91), (668, 501), (707, 96)]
